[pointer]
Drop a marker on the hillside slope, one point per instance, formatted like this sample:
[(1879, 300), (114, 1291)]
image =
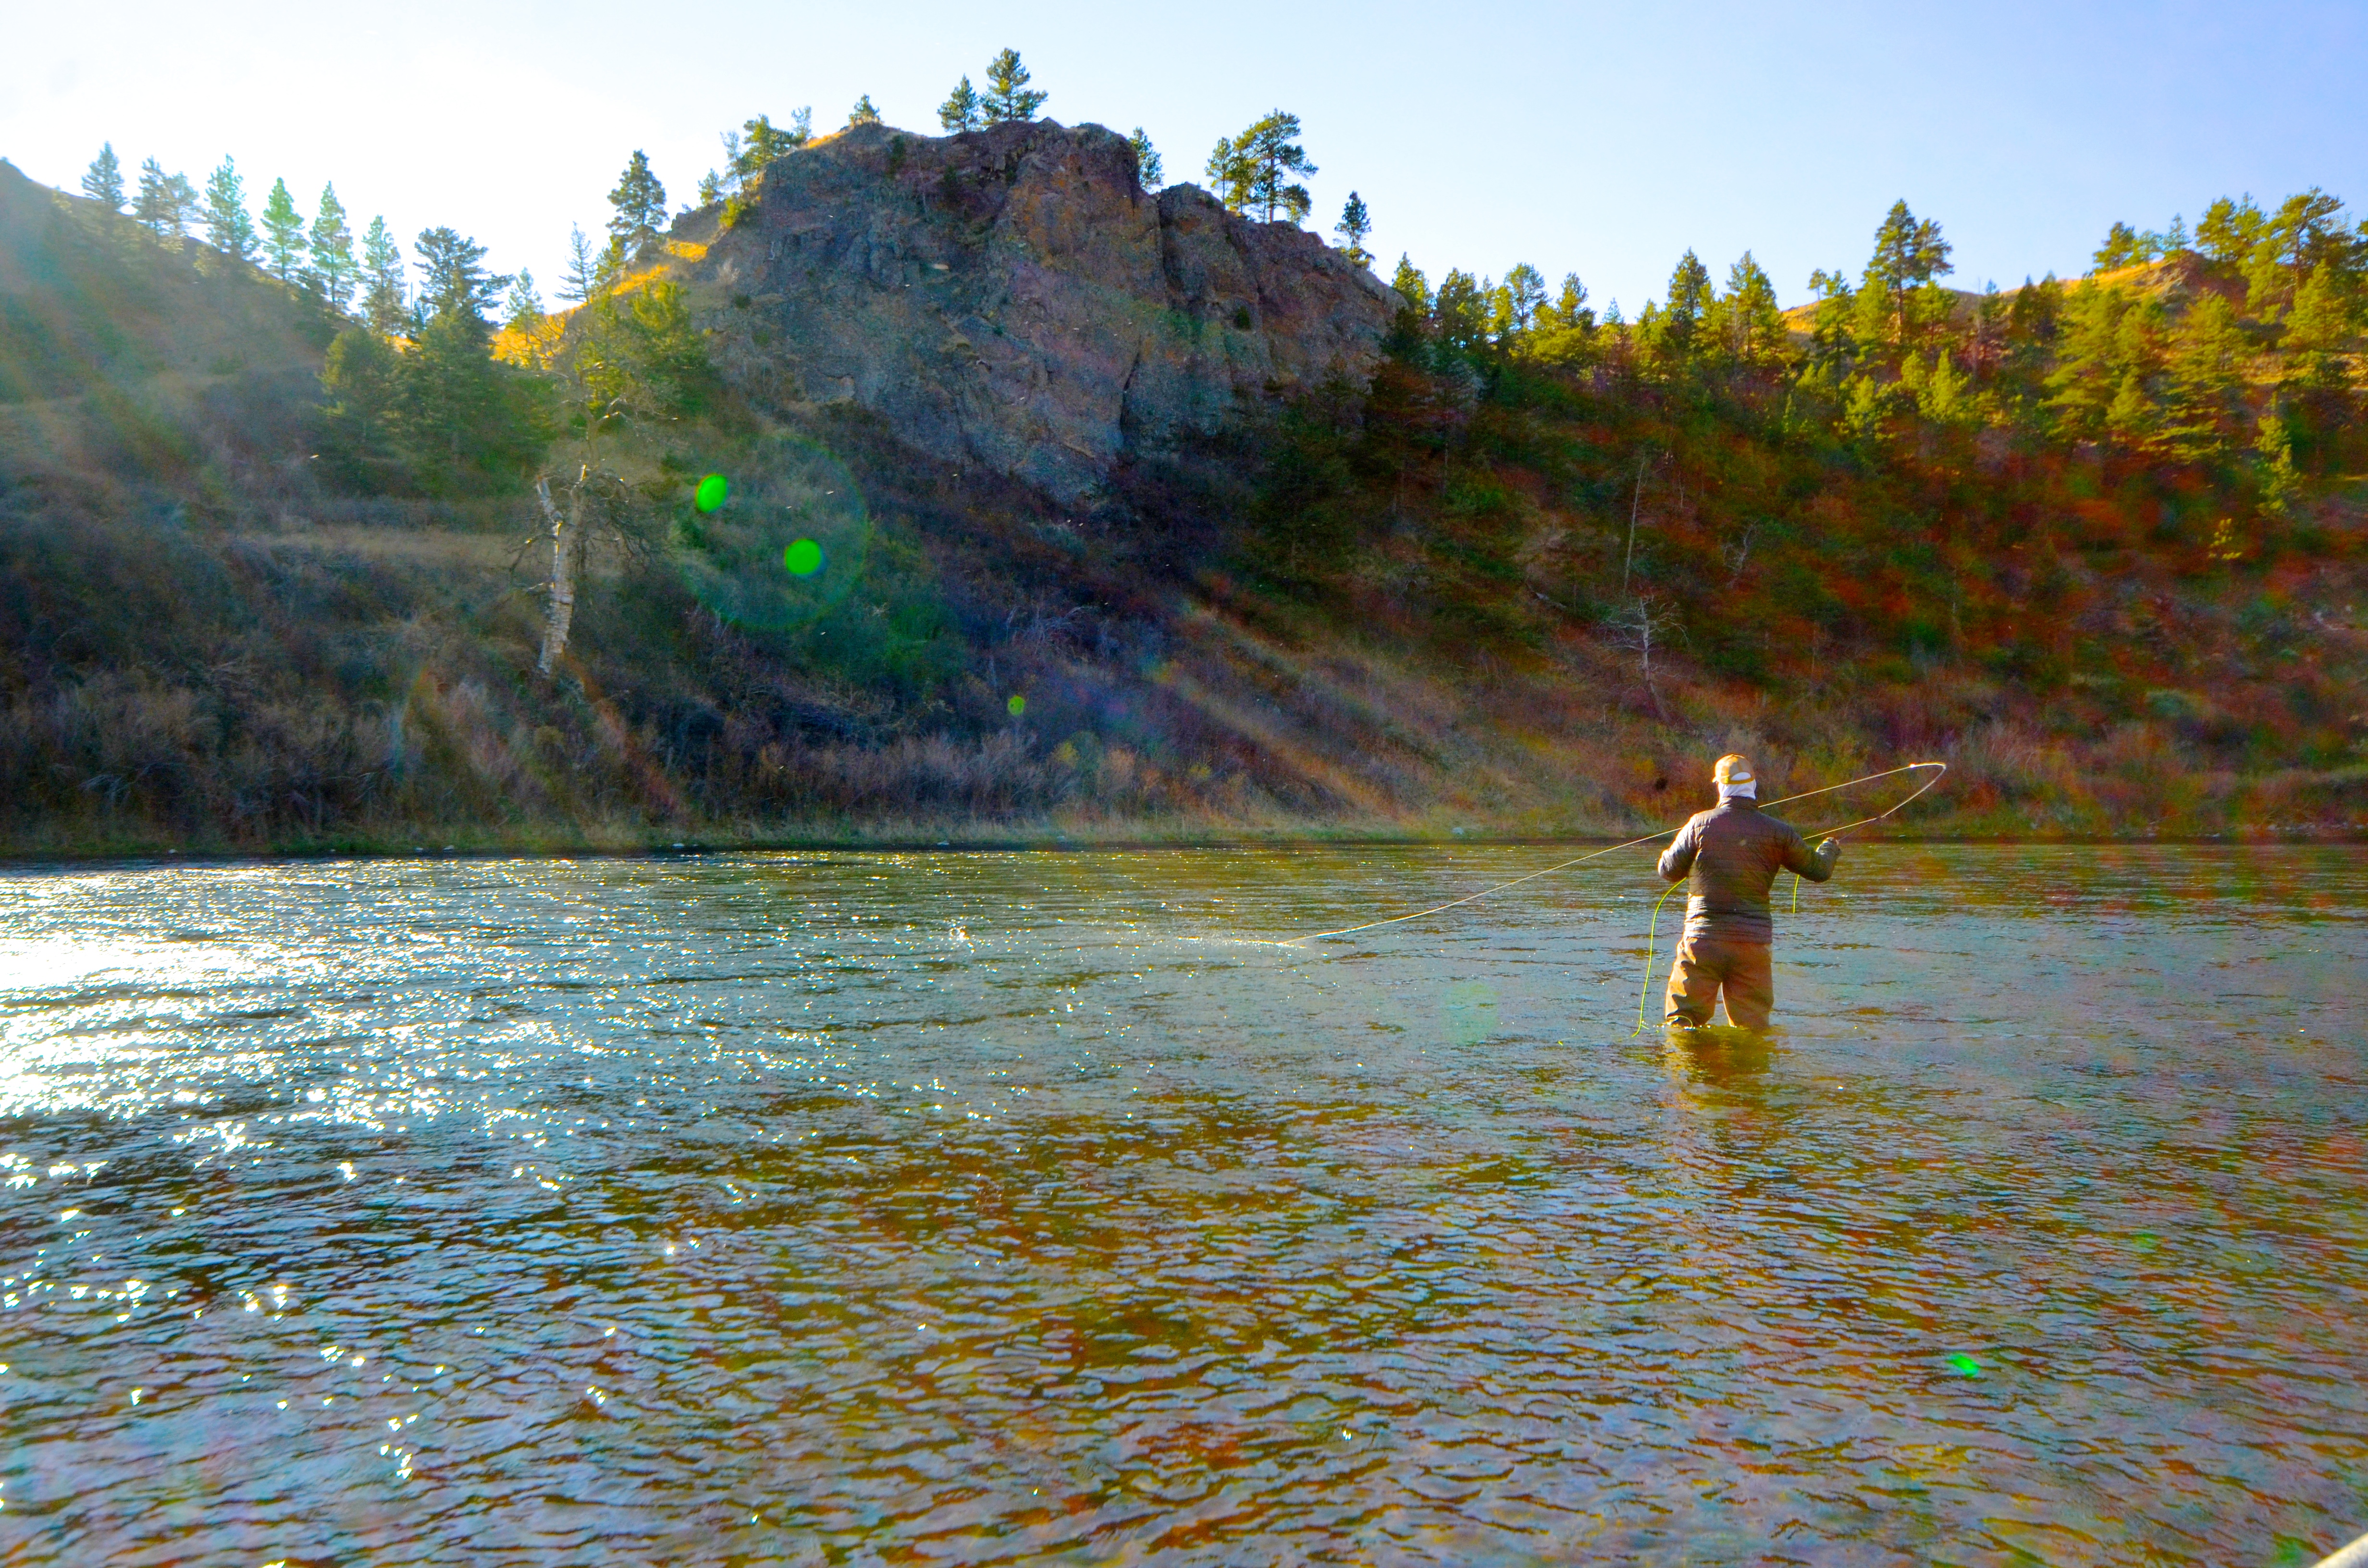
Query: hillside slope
[(85, 303), (123, 355), (1501, 586)]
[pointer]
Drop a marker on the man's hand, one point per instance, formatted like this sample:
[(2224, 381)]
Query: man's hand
[(1829, 850)]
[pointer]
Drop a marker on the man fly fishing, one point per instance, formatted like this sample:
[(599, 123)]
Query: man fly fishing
[(1733, 853)]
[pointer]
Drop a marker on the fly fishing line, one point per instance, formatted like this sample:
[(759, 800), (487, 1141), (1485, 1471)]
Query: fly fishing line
[(1615, 849)]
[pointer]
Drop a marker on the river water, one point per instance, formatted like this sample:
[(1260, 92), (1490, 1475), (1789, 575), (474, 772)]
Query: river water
[(873, 1208)]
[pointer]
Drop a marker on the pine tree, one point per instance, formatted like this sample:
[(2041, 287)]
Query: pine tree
[(641, 208), (451, 399), (2229, 230), (2124, 246), (1497, 310), (228, 228), (154, 208), (173, 201), (2109, 354), (961, 110), (1228, 173), (358, 375), (1261, 159), (1942, 392), (1524, 292), (382, 281), (1569, 308), (166, 204), (2306, 233), (2321, 320), (2206, 366), (183, 202), (722, 185), (1565, 330), (2130, 416), (2318, 328), (332, 243), (1354, 225), (1985, 343), (1680, 320), (749, 150), (1412, 286), (1868, 407), (1147, 172), (103, 181), (2033, 314), (1009, 98), (583, 278), (761, 142), (2274, 470), (863, 113), (283, 234), (1908, 253), (1754, 324), (2309, 231), (643, 357), (463, 420), (1833, 340), (524, 306), (453, 284), (1460, 315)]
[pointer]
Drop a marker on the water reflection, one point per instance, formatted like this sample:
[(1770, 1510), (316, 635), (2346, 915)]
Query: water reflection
[(1014, 1208), (1720, 1056)]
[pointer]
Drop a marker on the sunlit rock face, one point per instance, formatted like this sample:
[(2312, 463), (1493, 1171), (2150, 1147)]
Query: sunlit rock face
[(1014, 297)]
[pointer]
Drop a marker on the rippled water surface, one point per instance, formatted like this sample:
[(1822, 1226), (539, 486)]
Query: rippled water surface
[(858, 1208)]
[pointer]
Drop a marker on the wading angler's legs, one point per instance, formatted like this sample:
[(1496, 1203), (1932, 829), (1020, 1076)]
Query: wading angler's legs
[(1693, 985), (1706, 966)]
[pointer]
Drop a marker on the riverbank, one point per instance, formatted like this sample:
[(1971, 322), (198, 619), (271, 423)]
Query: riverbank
[(905, 835)]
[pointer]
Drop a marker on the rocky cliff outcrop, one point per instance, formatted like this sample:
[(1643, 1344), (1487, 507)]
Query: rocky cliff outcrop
[(1014, 297)]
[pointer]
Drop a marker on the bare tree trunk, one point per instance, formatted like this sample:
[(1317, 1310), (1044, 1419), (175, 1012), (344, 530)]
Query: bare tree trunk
[(1643, 623), (564, 537), (1635, 502), (1644, 647)]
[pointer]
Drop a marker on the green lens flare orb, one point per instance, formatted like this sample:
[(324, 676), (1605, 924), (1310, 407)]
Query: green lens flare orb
[(1966, 1364), (803, 558), (1018, 705), (710, 492)]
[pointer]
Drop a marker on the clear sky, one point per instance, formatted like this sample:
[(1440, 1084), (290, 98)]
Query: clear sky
[(1604, 139)]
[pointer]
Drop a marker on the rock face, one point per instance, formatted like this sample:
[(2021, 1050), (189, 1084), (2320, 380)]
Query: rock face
[(1013, 297)]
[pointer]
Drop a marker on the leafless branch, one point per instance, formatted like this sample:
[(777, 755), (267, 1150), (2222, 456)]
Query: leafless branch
[(1643, 625), (1738, 555)]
